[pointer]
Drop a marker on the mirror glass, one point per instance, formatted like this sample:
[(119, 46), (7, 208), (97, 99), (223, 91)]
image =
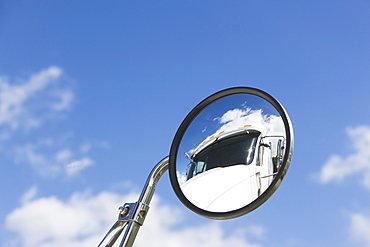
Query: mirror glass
[(230, 153)]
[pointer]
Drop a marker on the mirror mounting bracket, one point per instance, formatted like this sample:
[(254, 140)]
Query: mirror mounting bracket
[(127, 215)]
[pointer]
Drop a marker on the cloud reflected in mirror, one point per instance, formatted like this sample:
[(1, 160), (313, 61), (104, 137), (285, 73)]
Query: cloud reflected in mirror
[(230, 153)]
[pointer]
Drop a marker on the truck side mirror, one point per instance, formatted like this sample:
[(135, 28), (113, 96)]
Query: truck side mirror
[(222, 133), (221, 162)]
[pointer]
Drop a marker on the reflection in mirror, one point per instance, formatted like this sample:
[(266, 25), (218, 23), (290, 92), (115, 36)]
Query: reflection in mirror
[(230, 153)]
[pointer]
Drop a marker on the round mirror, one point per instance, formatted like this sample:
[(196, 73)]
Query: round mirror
[(231, 153)]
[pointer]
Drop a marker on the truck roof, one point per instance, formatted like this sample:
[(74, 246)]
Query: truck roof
[(224, 134)]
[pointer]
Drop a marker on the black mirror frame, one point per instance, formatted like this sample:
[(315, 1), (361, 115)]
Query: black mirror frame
[(275, 183)]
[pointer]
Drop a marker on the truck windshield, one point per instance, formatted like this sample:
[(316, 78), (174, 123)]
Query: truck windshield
[(235, 150)]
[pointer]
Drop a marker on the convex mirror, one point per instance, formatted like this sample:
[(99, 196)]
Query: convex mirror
[(231, 153)]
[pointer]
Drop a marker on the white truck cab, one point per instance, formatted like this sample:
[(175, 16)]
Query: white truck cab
[(230, 169)]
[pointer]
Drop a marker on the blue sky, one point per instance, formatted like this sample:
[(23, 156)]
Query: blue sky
[(92, 93)]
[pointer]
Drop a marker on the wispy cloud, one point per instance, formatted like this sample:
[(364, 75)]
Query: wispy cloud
[(48, 158), (40, 162), (337, 168), (29, 195), (78, 165), (65, 99), (26, 103), (83, 220), (360, 228)]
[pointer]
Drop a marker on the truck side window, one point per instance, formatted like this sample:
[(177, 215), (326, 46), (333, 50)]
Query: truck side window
[(260, 155)]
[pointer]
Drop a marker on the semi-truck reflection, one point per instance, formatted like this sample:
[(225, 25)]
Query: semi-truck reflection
[(231, 169)]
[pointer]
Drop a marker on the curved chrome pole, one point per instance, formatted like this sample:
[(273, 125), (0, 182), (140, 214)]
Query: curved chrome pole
[(133, 215), (142, 206)]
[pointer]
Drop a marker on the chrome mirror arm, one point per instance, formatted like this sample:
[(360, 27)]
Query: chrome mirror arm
[(133, 215), (113, 234)]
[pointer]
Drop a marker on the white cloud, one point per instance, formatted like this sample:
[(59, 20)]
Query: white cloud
[(80, 221), (85, 148), (47, 159), (29, 195), (41, 163), (256, 230), (65, 100), (63, 155), (76, 166), (360, 228), (26, 103), (269, 125), (233, 119), (84, 219), (337, 167)]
